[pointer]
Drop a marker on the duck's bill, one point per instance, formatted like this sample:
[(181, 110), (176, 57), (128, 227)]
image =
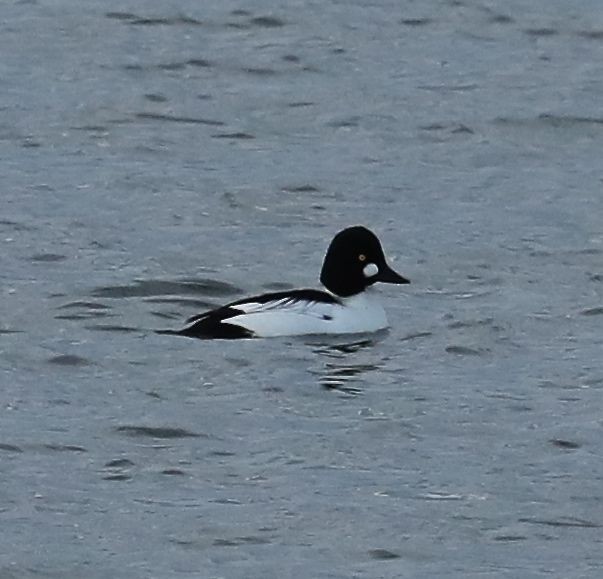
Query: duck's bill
[(388, 275)]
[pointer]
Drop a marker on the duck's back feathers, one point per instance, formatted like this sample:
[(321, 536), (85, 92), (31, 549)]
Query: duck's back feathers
[(248, 317)]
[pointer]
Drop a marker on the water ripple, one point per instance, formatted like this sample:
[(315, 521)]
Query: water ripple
[(135, 20), (153, 287), (562, 522), (158, 432)]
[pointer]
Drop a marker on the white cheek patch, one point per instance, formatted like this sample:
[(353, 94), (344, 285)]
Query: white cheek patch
[(370, 269)]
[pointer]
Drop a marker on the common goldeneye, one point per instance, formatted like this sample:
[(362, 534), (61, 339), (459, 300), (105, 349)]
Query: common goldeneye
[(354, 262)]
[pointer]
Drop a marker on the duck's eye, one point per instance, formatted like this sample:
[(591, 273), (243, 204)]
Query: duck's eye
[(362, 257)]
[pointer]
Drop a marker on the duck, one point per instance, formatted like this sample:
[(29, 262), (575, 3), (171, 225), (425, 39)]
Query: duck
[(346, 304)]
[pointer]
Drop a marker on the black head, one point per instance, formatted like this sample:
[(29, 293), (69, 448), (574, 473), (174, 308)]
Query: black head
[(354, 261)]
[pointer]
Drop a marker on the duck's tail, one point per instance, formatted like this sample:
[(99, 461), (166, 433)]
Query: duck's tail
[(170, 332)]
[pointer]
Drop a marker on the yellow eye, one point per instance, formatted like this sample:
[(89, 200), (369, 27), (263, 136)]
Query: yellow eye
[(362, 257)]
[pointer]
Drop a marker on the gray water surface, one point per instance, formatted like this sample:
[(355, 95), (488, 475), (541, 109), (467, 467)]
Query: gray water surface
[(162, 158)]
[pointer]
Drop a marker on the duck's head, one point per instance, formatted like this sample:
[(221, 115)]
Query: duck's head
[(355, 261)]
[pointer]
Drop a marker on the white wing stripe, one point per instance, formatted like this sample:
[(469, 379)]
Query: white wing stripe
[(284, 304)]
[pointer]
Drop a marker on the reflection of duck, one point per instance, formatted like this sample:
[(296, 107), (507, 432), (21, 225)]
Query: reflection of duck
[(354, 262), (339, 375)]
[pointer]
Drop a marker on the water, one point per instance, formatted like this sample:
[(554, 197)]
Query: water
[(157, 160)]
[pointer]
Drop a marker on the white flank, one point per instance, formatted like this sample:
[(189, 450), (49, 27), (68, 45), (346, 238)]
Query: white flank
[(357, 314)]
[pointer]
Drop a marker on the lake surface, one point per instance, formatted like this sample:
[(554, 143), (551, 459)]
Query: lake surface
[(161, 158)]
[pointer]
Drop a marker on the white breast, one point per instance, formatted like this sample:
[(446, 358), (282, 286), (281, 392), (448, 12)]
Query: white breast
[(360, 313)]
